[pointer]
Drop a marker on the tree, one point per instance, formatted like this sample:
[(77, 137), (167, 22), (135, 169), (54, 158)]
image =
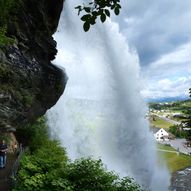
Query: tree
[(97, 8), (90, 175), (187, 122), (46, 167), (49, 170), (178, 131)]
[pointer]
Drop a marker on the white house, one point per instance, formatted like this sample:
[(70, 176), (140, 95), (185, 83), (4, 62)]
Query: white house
[(161, 135)]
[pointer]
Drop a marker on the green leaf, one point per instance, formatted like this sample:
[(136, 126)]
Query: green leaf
[(95, 13), (103, 17), (92, 20), (113, 6), (107, 12), (119, 6), (86, 26), (87, 9), (78, 7), (85, 17), (116, 11), (100, 12)]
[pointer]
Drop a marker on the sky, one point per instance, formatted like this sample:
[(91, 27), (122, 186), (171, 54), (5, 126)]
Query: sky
[(160, 31)]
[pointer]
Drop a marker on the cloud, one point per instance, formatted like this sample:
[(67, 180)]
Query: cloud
[(161, 33), (168, 88), (179, 56), (170, 75), (156, 27), (170, 65)]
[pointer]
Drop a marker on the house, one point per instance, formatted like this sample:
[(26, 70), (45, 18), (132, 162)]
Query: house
[(176, 114), (162, 135)]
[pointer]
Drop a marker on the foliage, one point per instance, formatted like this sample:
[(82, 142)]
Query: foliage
[(27, 99), (4, 40), (6, 137), (33, 135), (187, 119), (52, 171), (174, 160), (184, 108), (157, 122), (97, 8), (47, 168), (90, 175), (187, 122), (178, 131), (38, 170), (87, 174), (177, 106), (6, 6)]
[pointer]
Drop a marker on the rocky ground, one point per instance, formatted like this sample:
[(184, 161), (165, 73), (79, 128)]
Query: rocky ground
[(181, 180)]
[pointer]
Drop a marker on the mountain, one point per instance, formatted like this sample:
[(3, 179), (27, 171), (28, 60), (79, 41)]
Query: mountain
[(166, 99)]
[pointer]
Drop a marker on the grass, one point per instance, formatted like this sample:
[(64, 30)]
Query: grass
[(160, 123), (165, 147), (174, 161)]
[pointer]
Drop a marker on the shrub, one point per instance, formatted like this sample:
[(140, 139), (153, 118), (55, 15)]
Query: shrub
[(46, 167), (39, 170), (43, 172), (179, 132), (6, 7), (90, 175), (33, 135)]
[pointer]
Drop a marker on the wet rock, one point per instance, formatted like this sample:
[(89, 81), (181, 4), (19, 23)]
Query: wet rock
[(181, 180), (30, 84)]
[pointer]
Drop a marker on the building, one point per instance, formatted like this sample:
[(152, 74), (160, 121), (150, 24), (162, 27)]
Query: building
[(162, 135)]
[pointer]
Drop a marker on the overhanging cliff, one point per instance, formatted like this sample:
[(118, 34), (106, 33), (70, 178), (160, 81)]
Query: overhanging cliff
[(29, 83)]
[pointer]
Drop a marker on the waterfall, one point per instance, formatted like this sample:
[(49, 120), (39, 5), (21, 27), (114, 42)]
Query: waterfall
[(101, 113)]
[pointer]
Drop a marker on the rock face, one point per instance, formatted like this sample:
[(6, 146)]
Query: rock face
[(29, 83)]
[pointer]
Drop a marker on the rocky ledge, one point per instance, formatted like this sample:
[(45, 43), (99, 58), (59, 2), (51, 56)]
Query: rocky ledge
[(29, 83)]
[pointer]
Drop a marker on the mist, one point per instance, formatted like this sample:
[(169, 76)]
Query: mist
[(101, 113)]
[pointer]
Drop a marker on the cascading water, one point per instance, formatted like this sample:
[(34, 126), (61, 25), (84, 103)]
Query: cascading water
[(101, 113)]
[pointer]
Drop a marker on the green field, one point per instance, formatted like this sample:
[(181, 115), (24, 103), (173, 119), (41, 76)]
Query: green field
[(174, 161), (172, 107), (160, 123)]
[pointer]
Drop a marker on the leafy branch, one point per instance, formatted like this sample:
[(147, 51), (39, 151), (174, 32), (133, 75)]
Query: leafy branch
[(97, 9)]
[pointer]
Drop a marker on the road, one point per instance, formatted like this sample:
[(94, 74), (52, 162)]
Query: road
[(167, 119), (179, 145)]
